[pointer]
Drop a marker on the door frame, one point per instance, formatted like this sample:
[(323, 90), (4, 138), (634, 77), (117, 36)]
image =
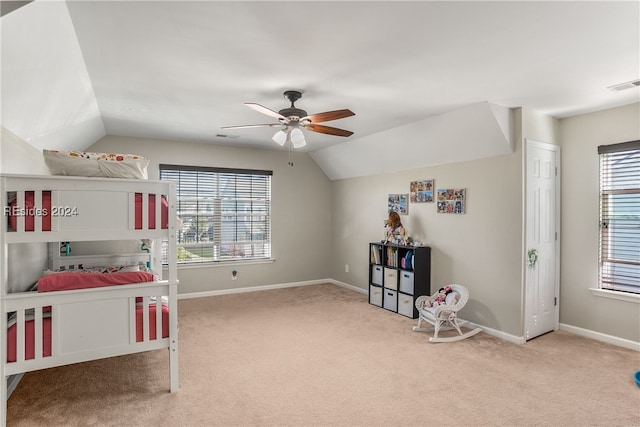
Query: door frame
[(556, 149)]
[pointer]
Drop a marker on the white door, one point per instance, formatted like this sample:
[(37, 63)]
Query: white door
[(541, 225)]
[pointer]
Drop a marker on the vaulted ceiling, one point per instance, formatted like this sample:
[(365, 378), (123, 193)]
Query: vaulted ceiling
[(75, 71)]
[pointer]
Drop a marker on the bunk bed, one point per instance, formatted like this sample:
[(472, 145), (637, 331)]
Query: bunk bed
[(95, 306)]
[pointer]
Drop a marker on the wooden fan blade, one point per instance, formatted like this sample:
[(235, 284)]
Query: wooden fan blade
[(328, 130), (264, 110), (252, 126), (327, 116)]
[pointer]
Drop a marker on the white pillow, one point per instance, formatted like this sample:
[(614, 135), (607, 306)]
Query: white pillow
[(97, 269), (110, 165), (451, 299)]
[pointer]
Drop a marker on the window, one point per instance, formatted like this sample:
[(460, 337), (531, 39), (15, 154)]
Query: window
[(620, 217), (225, 214)]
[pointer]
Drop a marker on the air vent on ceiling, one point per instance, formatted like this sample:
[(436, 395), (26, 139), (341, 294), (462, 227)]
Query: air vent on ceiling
[(623, 86), (222, 135)]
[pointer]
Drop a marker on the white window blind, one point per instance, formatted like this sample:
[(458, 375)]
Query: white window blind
[(620, 216), (225, 214)]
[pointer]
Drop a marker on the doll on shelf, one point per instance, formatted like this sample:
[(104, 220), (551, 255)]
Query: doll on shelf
[(395, 232)]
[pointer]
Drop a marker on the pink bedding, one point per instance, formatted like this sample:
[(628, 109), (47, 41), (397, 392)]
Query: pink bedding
[(75, 280), (29, 341), (65, 281)]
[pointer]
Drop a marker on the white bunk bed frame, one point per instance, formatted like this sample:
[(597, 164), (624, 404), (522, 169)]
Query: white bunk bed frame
[(94, 323)]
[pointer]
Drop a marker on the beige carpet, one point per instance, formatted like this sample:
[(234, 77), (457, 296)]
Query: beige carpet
[(322, 356)]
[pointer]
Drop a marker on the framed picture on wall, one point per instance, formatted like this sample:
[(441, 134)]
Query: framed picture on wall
[(421, 191), (398, 203), (451, 200)]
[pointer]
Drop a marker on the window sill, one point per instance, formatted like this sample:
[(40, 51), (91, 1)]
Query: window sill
[(623, 296), (218, 264)]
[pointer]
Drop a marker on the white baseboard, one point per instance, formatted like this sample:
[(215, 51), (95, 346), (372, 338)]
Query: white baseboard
[(269, 287), (598, 336), (252, 289), (609, 339), (348, 286), (494, 332)]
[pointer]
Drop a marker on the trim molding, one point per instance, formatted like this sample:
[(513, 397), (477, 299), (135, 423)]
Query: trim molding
[(494, 332), (599, 336), (348, 286), (622, 296), (253, 289)]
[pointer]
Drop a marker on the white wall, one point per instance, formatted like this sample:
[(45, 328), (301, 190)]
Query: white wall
[(17, 156), (47, 96), (483, 249), (580, 137), (301, 208), (480, 249), (439, 139)]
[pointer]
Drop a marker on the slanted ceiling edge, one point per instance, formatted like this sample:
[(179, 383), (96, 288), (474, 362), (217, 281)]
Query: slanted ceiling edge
[(47, 95), (477, 131)]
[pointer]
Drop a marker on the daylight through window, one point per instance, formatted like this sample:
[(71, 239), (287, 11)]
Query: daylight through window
[(224, 214), (620, 216)]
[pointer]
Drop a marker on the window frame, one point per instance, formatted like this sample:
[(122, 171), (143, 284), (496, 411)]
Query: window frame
[(618, 189), (227, 212)]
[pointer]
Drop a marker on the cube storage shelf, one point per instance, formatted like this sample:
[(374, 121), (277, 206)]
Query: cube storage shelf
[(398, 275)]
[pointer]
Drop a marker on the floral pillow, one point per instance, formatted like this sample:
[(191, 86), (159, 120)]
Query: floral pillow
[(84, 163), (98, 269), (104, 156)]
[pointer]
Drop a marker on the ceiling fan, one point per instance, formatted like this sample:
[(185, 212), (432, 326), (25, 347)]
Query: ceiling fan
[(292, 120)]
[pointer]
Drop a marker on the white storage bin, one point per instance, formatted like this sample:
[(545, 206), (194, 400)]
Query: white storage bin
[(376, 275), (375, 295), (405, 305), (406, 282), (391, 278), (390, 300)]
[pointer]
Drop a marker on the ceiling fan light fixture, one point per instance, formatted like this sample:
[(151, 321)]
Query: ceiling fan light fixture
[(299, 144), (293, 120), (297, 138), (280, 137)]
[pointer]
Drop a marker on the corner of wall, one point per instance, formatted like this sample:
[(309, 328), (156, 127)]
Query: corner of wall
[(538, 126), (18, 156), (504, 117)]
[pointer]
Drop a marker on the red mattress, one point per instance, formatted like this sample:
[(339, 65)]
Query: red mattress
[(29, 341), (70, 280)]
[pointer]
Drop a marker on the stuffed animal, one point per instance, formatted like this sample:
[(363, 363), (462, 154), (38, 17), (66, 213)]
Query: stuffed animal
[(441, 298), (395, 233)]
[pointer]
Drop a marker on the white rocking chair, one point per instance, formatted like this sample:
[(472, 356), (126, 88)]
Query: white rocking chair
[(444, 316)]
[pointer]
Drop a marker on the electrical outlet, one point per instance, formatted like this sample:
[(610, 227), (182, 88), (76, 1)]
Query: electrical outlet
[(346, 268)]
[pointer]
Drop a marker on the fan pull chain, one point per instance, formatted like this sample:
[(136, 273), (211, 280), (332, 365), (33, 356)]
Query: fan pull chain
[(290, 153)]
